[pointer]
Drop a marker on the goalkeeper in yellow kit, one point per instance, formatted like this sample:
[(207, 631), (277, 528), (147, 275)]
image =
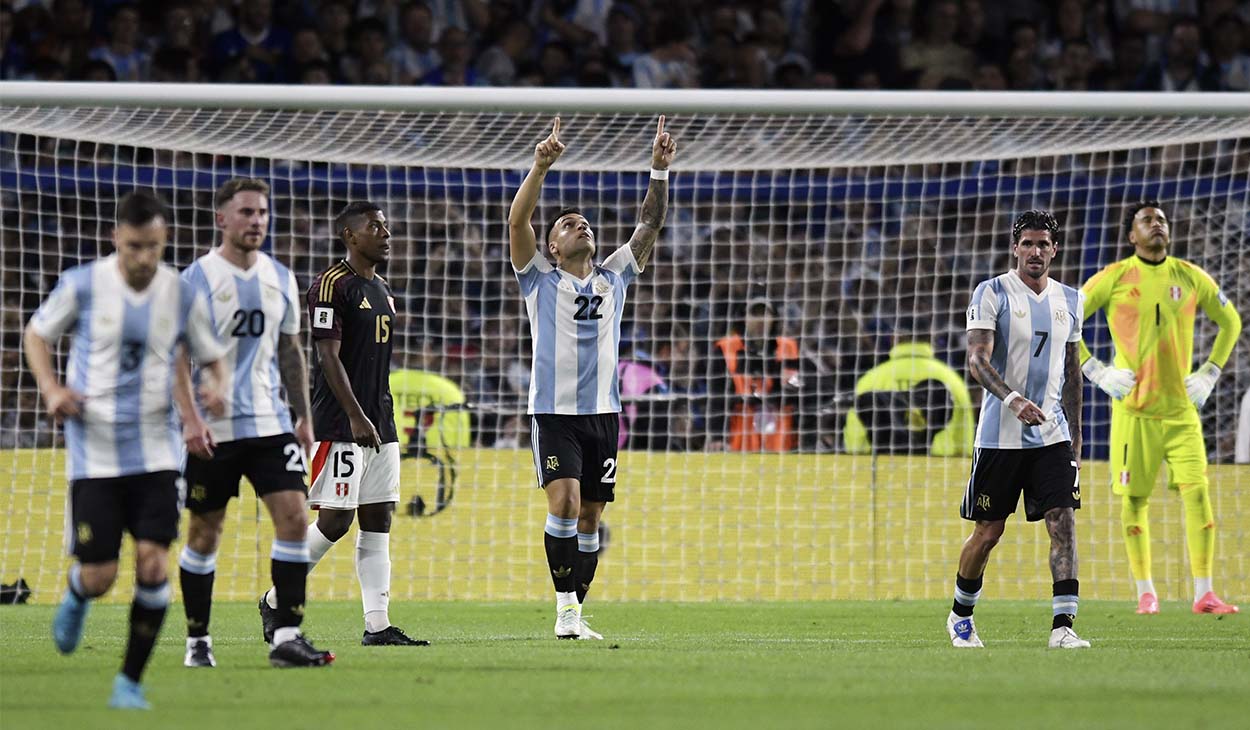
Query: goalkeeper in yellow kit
[(1151, 301)]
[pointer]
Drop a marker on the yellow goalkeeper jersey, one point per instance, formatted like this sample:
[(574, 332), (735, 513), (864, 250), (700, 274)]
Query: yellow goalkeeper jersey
[(1150, 310)]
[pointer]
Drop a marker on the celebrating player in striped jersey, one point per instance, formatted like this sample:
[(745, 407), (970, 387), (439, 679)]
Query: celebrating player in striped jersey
[(1023, 330), (575, 323), (1151, 301), (129, 314), (355, 469), (254, 303)]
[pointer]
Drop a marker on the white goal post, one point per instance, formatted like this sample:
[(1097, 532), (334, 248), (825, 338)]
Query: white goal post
[(864, 218)]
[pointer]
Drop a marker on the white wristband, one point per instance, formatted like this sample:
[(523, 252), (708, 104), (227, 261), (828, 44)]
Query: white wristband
[(1010, 397), (659, 174)]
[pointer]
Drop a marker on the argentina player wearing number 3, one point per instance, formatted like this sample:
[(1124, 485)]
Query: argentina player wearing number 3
[(1023, 333), (574, 400)]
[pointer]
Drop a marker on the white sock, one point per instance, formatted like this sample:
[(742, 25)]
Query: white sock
[(193, 640), (566, 599), (1202, 586), (318, 545), (373, 570), (283, 634), (1145, 586)]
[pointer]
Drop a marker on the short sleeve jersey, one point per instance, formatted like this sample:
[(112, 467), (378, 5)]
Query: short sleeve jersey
[(250, 309), (575, 327), (1151, 308), (361, 314), (121, 360), (1030, 333)]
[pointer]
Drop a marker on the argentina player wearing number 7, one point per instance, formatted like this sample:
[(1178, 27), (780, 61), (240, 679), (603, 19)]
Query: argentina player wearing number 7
[(255, 306), (1023, 334), (129, 315), (575, 312)]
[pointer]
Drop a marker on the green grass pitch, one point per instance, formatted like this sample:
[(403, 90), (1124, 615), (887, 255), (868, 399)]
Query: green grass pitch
[(663, 665)]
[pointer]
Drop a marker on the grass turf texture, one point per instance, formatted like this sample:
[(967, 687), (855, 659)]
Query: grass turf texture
[(749, 665)]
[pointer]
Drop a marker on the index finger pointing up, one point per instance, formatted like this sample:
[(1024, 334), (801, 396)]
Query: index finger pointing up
[(555, 128), (659, 127)]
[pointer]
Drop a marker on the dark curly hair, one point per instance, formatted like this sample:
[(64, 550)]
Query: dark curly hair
[(1035, 220), (1132, 212)]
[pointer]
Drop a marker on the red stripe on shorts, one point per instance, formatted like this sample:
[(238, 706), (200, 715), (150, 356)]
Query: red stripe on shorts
[(319, 459)]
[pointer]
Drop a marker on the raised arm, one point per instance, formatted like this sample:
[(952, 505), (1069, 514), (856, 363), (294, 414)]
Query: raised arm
[(521, 239), (655, 205), (980, 349)]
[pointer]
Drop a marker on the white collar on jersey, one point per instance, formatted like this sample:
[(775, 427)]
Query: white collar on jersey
[(245, 273), (1015, 275)]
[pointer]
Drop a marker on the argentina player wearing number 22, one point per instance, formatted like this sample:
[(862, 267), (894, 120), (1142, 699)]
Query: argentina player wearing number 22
[(574, 313), (1023, 335)]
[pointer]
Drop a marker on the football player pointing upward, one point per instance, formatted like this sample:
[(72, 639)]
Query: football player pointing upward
[(575, 322)]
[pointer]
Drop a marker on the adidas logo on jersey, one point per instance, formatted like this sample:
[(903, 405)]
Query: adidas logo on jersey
[(364, 304)]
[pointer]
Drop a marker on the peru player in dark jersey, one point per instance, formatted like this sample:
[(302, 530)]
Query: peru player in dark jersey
[(355, 466)]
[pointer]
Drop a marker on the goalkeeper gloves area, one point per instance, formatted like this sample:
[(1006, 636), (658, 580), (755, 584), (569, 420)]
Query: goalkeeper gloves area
[(1115, 382), (1200, 383)]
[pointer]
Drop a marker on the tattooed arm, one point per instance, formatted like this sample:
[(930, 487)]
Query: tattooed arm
[(1071, 396), (980, 348), (655, 205), (294, 372)]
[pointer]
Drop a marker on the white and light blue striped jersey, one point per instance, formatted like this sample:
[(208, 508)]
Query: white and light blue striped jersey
[(1030, 331), (575, 326), (121, 361), (249, 309)]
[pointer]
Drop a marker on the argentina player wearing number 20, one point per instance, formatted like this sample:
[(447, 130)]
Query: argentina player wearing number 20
[(574, 400), (255, 306), (1023, 335)]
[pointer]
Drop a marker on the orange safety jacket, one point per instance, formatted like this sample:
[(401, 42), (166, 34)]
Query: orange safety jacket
[(752, 428)]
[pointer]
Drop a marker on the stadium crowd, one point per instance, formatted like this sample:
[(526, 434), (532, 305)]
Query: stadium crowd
[(1159, 45)]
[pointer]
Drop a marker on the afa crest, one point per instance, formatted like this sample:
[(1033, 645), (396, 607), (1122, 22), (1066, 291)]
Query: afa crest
[(84, 533), (983, 501), (553, 463)]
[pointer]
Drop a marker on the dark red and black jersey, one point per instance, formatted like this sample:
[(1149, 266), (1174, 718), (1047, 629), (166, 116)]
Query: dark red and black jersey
[(361, 314)]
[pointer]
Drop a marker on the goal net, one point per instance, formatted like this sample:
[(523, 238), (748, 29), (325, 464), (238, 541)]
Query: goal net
[(850, 224)]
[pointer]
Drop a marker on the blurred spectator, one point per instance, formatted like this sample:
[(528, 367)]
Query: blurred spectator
[(1075, 68), (753, 386), (334, 20), (1230, 64), (306, 48), (98, 71), (178, 29), (642, 423), (175, 65), (670, 64), (937, 56), (414, 57), (122, 52), (573, 21), (622, 43), (367, 63), (455, 52), (498, 64), (1181, 68), (912, 403), (314, 72), (1130, 59), (555, 62)]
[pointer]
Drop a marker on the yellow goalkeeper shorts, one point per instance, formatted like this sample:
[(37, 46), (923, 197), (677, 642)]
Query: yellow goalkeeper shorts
[(1140, 445)]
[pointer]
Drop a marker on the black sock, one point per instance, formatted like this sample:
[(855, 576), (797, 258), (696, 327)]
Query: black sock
[(147, 613), (197, 600), (970, 590), (290, 581), (585, 572), (562, 559), (1065, 592)]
